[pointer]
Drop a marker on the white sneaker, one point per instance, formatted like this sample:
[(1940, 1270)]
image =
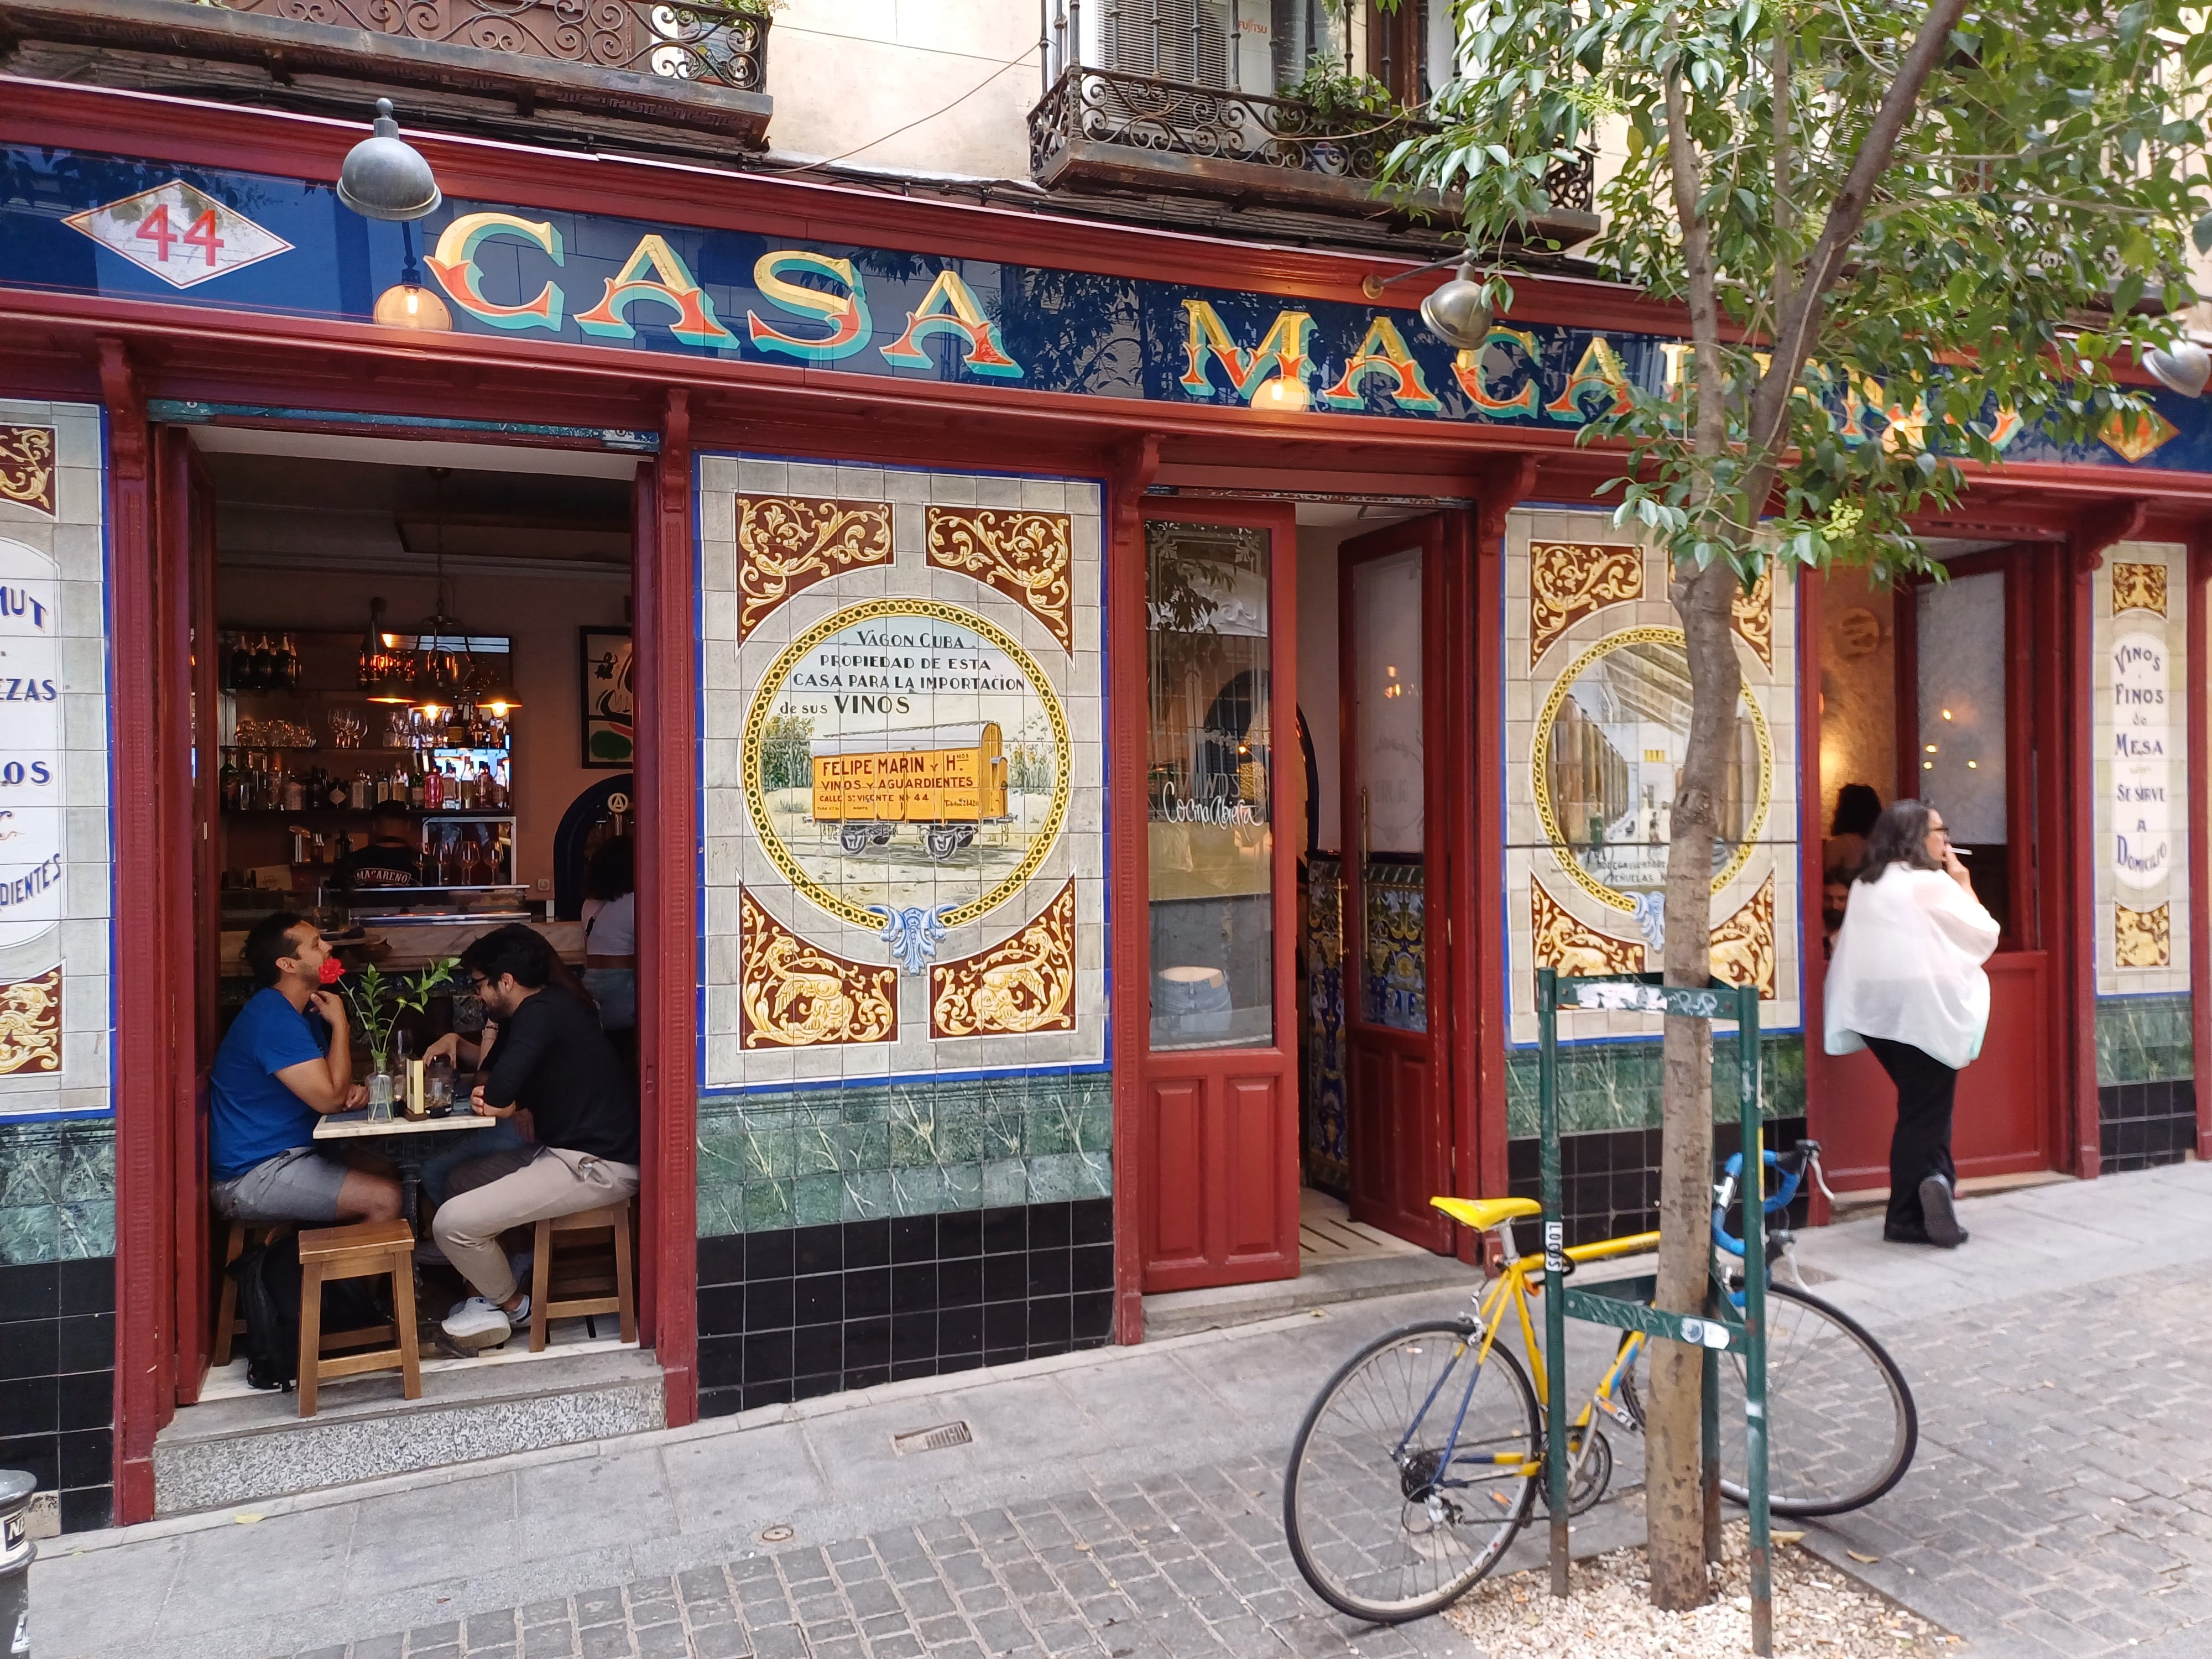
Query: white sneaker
[(480, 1323)]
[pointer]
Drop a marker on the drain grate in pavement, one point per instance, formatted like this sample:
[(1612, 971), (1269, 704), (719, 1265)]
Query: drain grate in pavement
[(1812, 1275), (936, 1439)]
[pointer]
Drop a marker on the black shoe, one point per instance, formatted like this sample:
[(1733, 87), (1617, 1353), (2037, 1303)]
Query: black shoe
[(1905, 1235), (1936, 1211)]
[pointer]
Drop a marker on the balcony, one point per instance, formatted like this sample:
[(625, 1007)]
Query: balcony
[(665, 75), (1109, 131)]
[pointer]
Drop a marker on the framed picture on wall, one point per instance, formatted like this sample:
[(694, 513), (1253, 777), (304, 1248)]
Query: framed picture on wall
[(609, 710)]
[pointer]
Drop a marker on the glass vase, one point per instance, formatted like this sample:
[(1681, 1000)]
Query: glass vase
[(379, 1095)]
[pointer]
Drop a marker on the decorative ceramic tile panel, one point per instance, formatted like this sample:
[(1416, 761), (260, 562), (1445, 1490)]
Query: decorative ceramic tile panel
[(1027, 984), (786, 545), (2139, 754), (902, 790), (2144, 1039), (1596, 734), (55, 838), (1025, 555), (1568, 581), (1322, 1045)]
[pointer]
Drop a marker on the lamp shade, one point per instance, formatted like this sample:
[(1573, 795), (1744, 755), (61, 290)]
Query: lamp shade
[(1457, 313), (409, 305), (385, 177), (2184, 370)]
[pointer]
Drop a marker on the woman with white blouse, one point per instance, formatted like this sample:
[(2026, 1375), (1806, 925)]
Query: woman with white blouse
[(1906, 981)]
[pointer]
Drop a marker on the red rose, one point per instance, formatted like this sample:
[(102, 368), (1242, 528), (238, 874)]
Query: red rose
[(333, 970)]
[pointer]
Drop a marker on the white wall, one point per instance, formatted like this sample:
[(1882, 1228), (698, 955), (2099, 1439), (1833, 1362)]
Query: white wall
[(912, 57)]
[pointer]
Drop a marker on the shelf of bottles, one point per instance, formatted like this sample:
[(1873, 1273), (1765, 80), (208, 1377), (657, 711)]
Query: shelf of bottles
[(312, 743)]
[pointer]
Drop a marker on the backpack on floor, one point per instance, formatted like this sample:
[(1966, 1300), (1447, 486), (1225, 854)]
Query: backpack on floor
[(268, 1281)]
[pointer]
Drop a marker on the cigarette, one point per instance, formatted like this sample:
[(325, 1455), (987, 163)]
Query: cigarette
[(1962, 852)]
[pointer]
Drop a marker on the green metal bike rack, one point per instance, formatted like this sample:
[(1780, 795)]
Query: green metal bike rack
[(1713, 1332)]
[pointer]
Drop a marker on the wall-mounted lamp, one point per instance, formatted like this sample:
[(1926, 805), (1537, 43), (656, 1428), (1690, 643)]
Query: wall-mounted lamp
[(1458, 313), (385, 177), (2184, 369)]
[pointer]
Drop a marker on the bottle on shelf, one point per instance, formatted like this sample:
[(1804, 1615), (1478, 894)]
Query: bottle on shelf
[(283, 666), (228, 780), (241, 674), (335, 792), (433, 789), (295, 794)]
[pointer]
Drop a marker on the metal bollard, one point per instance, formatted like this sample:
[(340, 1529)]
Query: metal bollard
[(16, 1550)]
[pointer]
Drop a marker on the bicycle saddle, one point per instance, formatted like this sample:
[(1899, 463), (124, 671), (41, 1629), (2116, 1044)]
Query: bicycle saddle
[(1484, 1213)]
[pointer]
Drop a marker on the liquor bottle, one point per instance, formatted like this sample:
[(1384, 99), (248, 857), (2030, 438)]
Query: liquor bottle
[(264, 674), (335, 791), (241, 664), (227, 781), (416, 791), (434, 790), (284, 664), (358, 796), (295, 795)]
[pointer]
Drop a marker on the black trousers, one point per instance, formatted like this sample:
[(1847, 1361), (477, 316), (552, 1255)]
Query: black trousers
[(1921, 1145)]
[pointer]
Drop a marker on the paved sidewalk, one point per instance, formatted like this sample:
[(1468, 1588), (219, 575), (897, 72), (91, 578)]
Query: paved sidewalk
[(1126, 1502)]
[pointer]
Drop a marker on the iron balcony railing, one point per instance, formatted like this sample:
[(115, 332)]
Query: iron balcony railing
[(700, 40), (1111, 106)]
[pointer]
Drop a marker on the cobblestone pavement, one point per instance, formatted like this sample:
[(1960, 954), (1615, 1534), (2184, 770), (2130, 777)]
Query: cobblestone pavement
[(1168, 1569), (2060, 1502)]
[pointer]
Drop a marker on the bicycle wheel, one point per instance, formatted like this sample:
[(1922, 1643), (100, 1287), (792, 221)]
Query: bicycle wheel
[(1378, 1524), (1841, 1424)]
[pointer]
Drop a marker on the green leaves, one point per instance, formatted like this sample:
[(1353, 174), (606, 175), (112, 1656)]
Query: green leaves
[(2047, 182)]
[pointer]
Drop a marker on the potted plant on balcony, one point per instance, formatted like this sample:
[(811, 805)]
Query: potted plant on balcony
[(1341, 120)]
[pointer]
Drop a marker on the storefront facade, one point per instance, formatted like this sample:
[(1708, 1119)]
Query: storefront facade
[(1063, 828)]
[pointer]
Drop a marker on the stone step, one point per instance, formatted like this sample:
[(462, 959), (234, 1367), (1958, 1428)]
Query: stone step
[(1177, 1313), (238, 1448)]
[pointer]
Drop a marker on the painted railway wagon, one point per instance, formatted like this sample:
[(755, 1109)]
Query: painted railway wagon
[(945, 779)]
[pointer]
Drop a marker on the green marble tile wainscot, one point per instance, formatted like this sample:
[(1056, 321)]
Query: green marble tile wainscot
[(1615, 1085), (56, 1191), (804, 1158), (2144, 1039)]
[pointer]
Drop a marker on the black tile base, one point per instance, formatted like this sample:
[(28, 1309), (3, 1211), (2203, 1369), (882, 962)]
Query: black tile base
[(57, 1383), (2143, 1125), (1611, 1176), (811, 1310)]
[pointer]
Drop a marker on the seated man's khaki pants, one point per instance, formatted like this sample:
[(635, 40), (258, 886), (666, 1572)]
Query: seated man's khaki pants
[(512, 1189)]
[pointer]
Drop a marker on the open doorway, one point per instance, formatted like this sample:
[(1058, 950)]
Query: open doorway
[(1927, 690), (412, 727)]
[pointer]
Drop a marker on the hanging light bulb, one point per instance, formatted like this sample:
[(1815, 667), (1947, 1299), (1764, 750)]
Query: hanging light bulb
[(1283, 395)]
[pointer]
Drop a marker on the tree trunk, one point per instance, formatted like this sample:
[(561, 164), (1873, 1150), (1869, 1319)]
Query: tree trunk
[(1674, 1496)]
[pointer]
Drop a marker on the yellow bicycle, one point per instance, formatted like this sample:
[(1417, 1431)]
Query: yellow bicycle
[(1422, 1456)]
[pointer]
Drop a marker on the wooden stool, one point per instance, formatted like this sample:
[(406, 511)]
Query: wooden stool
[(361, 1251), (585, 1288), (228, 1324)]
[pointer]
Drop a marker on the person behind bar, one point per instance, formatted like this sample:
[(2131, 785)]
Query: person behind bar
[(552, 1058), (611, 941), (274, 1077), (1907, 982), (393, 857)]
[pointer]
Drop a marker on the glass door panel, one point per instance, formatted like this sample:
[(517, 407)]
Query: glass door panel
[(1391, 777), (1209, 786), (1959, 660)]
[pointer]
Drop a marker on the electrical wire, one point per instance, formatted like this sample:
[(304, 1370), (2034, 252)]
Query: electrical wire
[(831, 161)]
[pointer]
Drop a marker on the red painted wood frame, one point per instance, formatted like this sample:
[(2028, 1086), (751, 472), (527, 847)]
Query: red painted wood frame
[(2031, 1058), (2197, 592), (1398, 1083), (1218, 1189)]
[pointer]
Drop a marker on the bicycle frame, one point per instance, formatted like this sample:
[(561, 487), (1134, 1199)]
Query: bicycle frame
[(1513, 1285)]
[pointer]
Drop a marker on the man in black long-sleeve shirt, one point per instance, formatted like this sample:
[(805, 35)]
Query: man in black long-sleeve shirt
[(551, 1057)]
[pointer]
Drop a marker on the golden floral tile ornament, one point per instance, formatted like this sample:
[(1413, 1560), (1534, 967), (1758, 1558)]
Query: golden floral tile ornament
[(792, 994), (2138, 587), (1753, 614), (1564, 941), (2143, 938), (1743, 945), (1569, 580), (786, 544), (2135, 434), (1028, 556), (31, 1024), (26, 467), (1026, 984)]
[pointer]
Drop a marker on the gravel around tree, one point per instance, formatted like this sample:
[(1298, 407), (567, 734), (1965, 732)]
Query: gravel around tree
[(1819, 1613)]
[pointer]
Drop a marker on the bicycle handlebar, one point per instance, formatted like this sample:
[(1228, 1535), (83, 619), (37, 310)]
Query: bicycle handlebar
[(1789, 1168)]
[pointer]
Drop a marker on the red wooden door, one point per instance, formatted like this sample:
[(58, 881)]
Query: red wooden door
[(1218, 1182), (1976, 742), (1394, 716), (186, 683)]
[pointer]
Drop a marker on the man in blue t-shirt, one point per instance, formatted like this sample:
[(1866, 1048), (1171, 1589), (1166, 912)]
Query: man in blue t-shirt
[(273, 1077)]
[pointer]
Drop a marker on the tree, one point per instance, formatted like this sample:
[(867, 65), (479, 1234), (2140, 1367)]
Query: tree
[(1905, 234)]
